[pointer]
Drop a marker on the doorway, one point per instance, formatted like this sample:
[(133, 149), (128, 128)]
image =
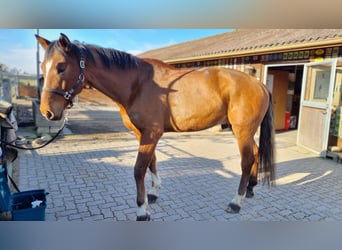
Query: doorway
[(285, 84)]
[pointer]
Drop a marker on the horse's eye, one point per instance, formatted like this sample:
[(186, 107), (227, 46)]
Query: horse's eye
[(61, 67)]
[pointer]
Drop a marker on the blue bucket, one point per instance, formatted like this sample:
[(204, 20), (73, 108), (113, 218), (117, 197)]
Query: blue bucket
[(28, 205), (24, 206)]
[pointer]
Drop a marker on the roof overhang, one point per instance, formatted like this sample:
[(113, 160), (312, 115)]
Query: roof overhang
[(240, 53)]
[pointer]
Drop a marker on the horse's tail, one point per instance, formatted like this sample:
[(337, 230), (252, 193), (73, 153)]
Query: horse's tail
[(266, 147)]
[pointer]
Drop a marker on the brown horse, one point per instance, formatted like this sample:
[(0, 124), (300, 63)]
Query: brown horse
[(155, 97)]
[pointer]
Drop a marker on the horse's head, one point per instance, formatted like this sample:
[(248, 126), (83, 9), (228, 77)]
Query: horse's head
[(63, 70)]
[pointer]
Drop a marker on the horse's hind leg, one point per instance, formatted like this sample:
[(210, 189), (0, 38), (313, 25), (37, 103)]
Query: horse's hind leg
[(156, 181), (253, 179), (246, 145)]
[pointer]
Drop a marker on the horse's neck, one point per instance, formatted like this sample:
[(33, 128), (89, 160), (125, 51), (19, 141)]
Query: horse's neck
[(113, 83)]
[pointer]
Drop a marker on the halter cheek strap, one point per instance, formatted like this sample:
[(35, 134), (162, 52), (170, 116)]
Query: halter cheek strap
[(68, 94)]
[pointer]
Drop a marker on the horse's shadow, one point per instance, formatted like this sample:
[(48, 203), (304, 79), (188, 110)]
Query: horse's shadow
[(199, 189)]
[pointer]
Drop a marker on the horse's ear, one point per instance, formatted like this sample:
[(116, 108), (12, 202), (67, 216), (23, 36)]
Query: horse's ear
[(42, 41), (64, 43)]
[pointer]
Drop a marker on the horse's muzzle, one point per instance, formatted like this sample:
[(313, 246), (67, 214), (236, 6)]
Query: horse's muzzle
[(51, 116)]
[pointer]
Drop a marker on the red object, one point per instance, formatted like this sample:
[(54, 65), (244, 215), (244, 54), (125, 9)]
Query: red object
[(287, 120)]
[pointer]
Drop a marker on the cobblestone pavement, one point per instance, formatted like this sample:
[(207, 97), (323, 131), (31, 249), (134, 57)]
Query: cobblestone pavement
[(89, 176)]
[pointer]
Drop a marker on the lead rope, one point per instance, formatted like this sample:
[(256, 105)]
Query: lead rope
[(32, 148), (41, 146), (13, 183)]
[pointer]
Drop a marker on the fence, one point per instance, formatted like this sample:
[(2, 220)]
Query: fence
[(16, 86)]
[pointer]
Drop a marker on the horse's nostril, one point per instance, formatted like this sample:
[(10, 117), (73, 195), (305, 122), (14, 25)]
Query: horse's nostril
[(49, 115)]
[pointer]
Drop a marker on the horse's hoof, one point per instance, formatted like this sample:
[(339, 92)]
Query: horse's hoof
[(249, 193), (233, 208), (146, 217), (152, 198)]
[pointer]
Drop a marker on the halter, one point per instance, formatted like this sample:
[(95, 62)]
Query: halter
[(68, 94)]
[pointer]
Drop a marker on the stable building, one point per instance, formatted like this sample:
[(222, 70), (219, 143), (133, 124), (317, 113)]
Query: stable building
[(301, 67)]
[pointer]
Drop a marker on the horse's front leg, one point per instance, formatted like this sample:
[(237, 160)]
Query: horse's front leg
[(148, 142), (153, 193)]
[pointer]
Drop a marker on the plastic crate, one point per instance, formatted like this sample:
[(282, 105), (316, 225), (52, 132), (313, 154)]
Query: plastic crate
[(20, 203), (22, 209)]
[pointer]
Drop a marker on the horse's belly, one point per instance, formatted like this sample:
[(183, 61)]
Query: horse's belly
[(196, 118)]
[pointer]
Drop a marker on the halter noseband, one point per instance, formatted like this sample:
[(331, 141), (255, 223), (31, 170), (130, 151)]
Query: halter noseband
[(68, 94)]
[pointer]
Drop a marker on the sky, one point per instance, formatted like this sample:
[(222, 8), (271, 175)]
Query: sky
[(18, 47)]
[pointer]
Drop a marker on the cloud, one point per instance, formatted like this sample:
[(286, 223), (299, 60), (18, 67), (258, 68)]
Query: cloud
[(150, 46), (134, 51), (24, 59), (21, 59)]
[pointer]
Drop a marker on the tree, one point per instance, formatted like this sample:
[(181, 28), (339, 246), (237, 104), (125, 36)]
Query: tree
[(3, 67)]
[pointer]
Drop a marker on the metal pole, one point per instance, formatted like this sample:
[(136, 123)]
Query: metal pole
[(38, 67)]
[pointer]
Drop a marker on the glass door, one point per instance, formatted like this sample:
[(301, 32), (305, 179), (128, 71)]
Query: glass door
[(316, 103)]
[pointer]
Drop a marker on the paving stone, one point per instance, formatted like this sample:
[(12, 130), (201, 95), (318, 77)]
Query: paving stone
[(90, 177)]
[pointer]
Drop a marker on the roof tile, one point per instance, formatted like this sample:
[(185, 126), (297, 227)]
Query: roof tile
[(242, 40)]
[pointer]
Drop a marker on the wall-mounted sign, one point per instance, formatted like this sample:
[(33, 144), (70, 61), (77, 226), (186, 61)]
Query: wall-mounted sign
[(334, 52), (237, 62), (306, 54), (295, 55), (319, 52), (290, 56)]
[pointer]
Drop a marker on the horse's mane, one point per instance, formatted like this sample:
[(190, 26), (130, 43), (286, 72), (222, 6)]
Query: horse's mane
[(108, 56)]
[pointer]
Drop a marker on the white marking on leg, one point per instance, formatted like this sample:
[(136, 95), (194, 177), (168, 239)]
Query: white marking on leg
[(238, 199), (143, 210), (156, 183)]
